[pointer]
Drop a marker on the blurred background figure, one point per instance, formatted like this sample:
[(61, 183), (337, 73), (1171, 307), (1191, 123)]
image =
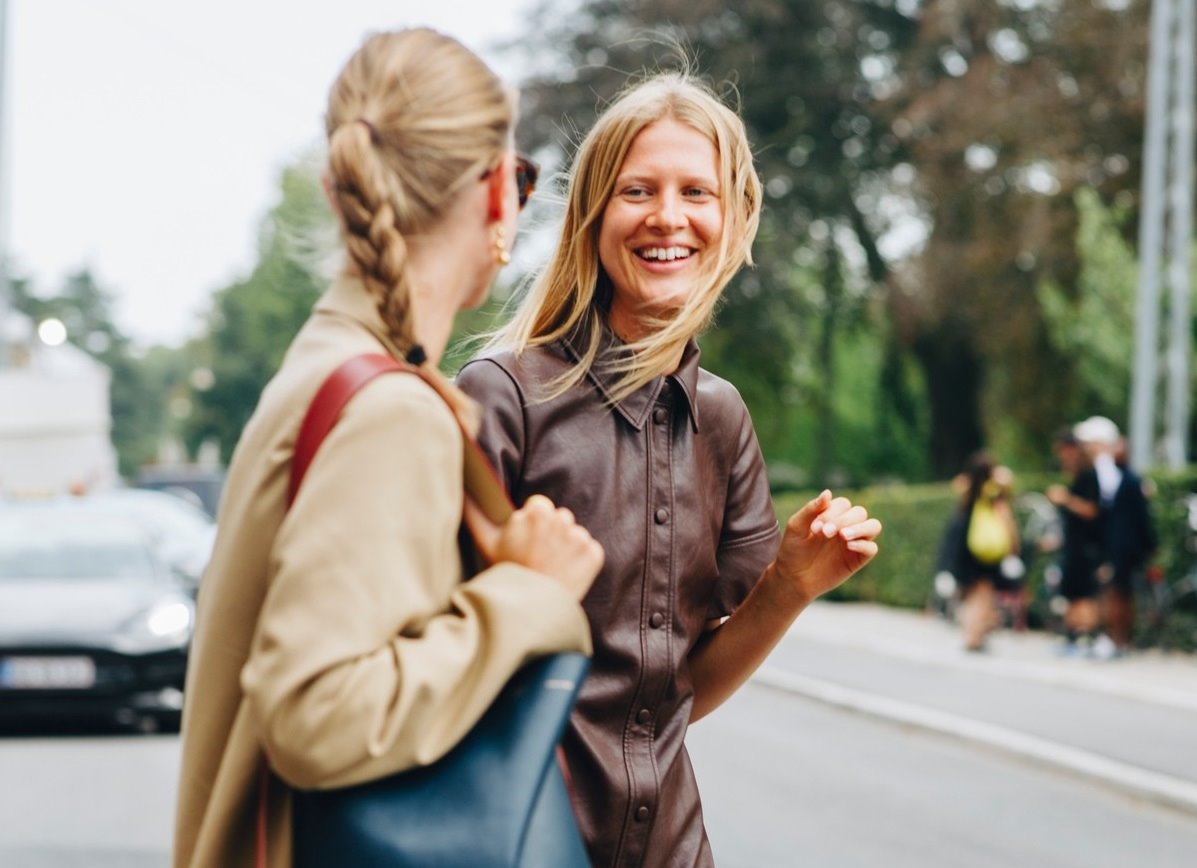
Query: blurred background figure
[(1127, 532), (980, 538), (1078, 503)]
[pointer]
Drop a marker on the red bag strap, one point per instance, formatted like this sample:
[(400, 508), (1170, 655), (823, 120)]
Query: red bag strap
[(332, 396), (482, 484)]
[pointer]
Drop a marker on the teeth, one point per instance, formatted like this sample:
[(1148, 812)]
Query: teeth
[(665, 254)]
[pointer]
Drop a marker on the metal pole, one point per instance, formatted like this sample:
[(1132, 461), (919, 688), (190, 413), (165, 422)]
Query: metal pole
[(1151, 226), (4, 177), (1180, 243)]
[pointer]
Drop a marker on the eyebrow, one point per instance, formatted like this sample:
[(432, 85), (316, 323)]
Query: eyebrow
[(687, 181)]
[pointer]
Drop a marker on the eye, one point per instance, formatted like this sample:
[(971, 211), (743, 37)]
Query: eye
[(634, 192), (697, 192)]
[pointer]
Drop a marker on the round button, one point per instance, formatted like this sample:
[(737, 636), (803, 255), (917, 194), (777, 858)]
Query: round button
[(661, 515), (656, 620), (642, 813), (643, 716), (660, 415)]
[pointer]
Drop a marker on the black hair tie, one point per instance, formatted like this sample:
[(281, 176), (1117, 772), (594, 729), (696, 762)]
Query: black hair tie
[(416, 356)]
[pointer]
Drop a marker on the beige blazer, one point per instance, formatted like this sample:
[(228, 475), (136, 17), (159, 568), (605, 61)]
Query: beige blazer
[(337, 638)]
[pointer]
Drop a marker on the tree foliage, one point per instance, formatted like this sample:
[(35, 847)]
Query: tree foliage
[(930, 150), (1006, 109), (252, 321)]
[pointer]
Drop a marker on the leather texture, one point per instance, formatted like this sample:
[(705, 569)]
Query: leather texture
[(671, 482)]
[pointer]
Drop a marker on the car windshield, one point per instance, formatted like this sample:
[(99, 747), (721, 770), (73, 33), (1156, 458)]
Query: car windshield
[(165, 514), (61, 545)]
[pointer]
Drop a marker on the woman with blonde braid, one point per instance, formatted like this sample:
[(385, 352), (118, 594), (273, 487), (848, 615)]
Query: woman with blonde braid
[(335, 639)]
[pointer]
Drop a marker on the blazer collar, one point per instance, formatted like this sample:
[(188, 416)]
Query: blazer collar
[(349, 298)]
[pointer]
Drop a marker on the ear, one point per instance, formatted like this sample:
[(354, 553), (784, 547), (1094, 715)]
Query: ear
[(496, 189)]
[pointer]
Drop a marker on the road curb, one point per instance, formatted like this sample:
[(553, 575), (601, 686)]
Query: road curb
[(1176, 793), (1094, 681)]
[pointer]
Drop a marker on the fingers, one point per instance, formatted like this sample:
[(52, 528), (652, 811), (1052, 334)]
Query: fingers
[(865, 547), (801, 520), (840, 514), (869, 529), (537, 503), (829, 516)]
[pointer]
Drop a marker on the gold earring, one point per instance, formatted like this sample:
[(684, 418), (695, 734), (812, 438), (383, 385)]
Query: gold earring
[(502, 257)]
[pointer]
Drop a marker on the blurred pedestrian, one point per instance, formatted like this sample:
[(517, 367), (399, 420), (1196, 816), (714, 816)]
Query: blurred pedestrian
[(1127, 532), (980, 536), (336, 637), (1079, 506), (597, 400)]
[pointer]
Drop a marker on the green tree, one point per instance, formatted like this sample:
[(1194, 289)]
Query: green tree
[(252, 321), (1093, 325), (1005, 110)]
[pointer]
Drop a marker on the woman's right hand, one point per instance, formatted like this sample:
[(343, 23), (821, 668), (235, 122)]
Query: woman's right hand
[(547, 539)]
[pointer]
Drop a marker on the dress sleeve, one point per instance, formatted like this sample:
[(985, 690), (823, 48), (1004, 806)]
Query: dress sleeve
[(370, 656), (750, 536), (501, 434)]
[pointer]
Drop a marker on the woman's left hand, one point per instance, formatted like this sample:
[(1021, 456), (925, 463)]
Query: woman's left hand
[(825, 542)]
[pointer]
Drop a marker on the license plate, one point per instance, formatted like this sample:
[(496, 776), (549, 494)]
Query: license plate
[(47, 673)]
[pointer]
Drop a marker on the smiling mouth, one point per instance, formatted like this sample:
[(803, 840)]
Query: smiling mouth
[(664, 254)]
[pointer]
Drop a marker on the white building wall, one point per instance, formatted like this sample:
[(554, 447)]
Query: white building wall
[(55, 422)]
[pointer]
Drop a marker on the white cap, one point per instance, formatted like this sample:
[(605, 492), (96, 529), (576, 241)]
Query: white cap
[(1098, 430)]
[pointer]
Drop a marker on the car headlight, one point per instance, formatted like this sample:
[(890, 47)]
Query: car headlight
[(165, 625)]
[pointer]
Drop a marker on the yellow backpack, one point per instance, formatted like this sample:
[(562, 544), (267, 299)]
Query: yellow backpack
[(988, 536)]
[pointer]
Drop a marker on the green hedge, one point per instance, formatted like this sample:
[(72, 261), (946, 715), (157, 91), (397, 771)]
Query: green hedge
[(915, 516)]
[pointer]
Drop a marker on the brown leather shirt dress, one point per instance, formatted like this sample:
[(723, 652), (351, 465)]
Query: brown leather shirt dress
[(672, 483)]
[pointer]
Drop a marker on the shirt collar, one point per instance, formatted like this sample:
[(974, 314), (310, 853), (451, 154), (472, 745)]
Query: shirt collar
[(636, 407), (349, 298)]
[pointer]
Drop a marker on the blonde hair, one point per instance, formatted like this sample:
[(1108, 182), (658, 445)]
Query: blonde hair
[(412, 117), (570, 294)]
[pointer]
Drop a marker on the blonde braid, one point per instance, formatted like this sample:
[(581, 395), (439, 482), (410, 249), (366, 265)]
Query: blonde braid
[(412, 118), (377, 251)]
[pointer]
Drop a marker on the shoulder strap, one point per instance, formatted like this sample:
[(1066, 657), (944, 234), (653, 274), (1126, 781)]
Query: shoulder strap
[(332, 396), (482, 484)]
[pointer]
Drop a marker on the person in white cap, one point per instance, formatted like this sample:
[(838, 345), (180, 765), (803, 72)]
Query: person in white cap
[(1128, 537)]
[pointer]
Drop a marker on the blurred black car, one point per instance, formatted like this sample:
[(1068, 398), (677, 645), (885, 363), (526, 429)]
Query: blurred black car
[(181, 531), (92, 621)]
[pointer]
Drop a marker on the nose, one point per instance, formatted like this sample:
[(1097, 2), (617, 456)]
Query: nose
[(669, 214)]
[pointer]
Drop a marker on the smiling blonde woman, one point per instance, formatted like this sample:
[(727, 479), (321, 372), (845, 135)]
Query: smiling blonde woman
[(596, 399)]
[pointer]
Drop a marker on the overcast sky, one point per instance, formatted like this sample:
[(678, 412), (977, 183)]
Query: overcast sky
[(146, 137)]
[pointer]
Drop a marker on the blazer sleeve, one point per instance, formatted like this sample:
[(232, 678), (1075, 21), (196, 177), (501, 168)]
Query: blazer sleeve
[(369, 656)]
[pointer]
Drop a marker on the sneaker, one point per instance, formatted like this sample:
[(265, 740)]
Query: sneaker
[(1068, 649), (1104, 648)]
